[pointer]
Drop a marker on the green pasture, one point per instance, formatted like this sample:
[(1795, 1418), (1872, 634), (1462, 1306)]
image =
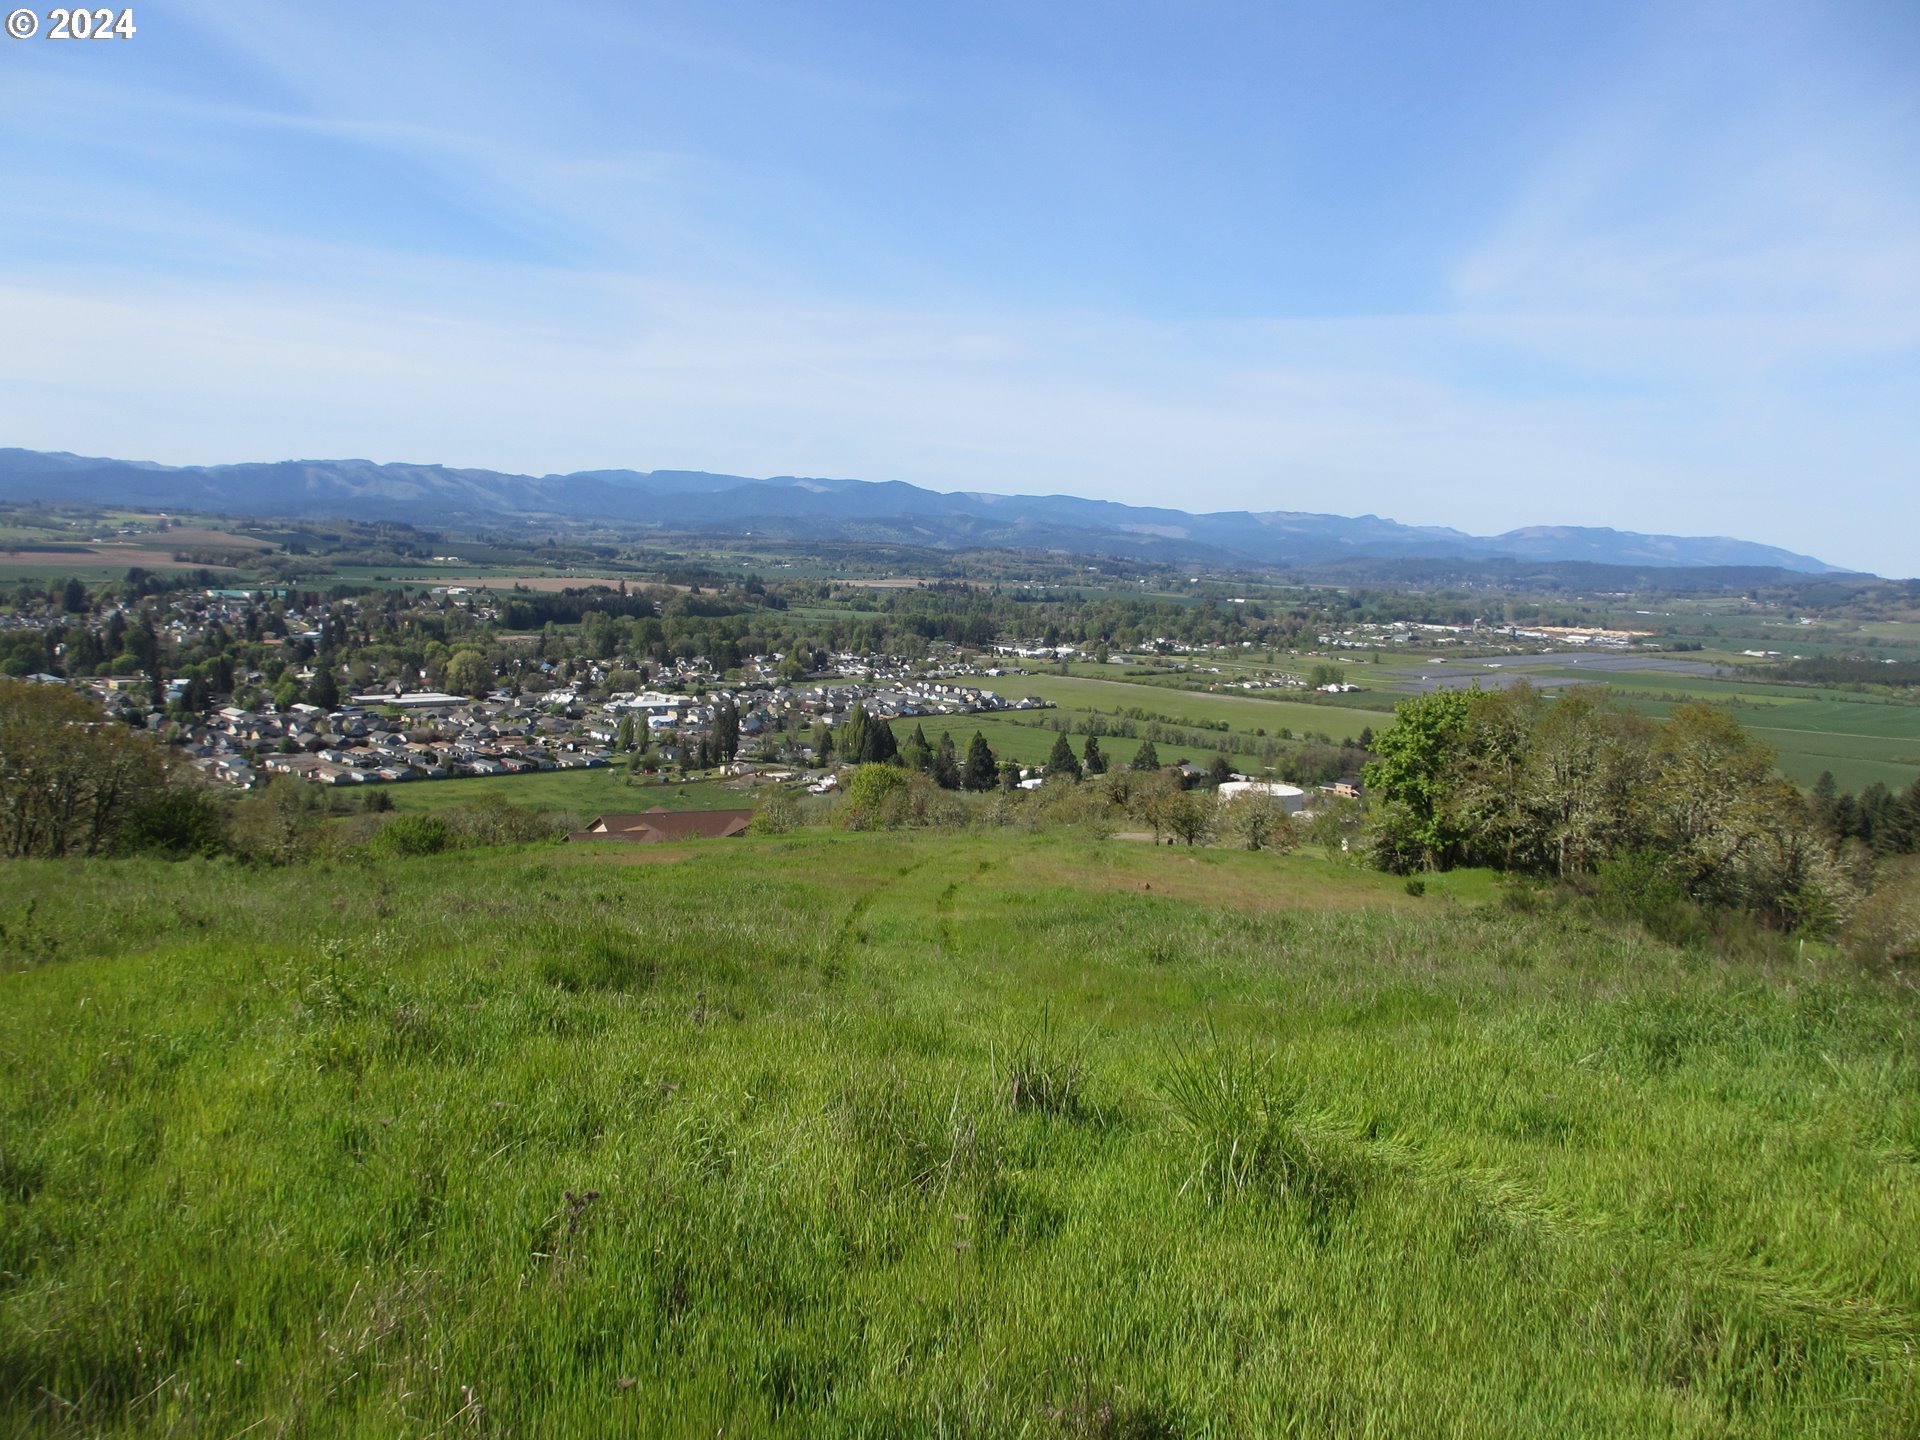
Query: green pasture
[(584, 793), (1860, 741), (1244, 712), (904, 1134)]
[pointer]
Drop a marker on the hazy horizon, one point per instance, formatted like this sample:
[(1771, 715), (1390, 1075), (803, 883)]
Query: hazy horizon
[(1656, 269)]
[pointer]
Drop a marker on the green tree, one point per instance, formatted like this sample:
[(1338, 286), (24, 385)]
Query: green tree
[(726, 731), (69, 779), (881, 747), (917, 754), (1061, 761), (1585, 781), (1146, 757), (277, 825), (852, 742), (1255, 821), (467, 673), (1172, 809), (177, 820), (946, 763), (1709, 797), (324, 691), (980, 772), (1094, 762), (776, 813), (867, 792), (1408, 780), (1488, 798)]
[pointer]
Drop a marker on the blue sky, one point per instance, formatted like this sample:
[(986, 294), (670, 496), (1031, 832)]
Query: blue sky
[(1655, 267)]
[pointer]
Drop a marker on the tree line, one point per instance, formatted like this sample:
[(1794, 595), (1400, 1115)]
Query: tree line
[(1564, 788)]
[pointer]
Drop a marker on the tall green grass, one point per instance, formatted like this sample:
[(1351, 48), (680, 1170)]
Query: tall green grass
[(883, 1135)]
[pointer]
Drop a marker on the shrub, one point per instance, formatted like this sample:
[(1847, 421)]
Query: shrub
[(1885, 929), (776, 814), (179, 821), (412, 835), (492, 820), (867, 791), (277, 825), (1642, 886)]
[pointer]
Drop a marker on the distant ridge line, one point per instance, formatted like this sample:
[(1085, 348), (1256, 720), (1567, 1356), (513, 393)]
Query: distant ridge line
[(803, 509)]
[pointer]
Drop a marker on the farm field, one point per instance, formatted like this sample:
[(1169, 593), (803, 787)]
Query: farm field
[(1862, 741), (502, 579), (912, 1134), (93, 563), (1242, 712)]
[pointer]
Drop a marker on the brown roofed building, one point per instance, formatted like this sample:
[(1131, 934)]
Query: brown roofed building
[(658, 824)]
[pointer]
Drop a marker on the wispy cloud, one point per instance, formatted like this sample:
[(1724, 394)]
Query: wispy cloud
[(1699, 308)]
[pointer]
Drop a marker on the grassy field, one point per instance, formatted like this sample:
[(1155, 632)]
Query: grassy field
[(585, 793), (914, 1135), (1861, 739), (1242, 712)]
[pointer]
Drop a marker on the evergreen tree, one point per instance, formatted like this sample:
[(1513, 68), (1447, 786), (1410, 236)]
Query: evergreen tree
[(1899, 830), (916, 754), (882, 748), (1093, 760), (852, 740), (1146, 757), (980, 771), (726, 731), (1062, 760), (623, 737), (1219, 771), (325, 690), (1876, 806), (946, 764), (1826, 792)]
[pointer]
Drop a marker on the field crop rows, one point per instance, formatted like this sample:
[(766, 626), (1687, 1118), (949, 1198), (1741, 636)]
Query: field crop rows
[(883, 1135)]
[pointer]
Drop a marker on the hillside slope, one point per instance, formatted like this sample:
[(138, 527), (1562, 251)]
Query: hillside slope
[(905, 1134)]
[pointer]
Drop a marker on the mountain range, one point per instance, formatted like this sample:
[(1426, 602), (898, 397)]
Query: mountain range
[(800, 509)]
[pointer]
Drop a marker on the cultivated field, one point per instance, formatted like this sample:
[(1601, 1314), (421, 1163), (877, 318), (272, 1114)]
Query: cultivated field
[(914, 1135)]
